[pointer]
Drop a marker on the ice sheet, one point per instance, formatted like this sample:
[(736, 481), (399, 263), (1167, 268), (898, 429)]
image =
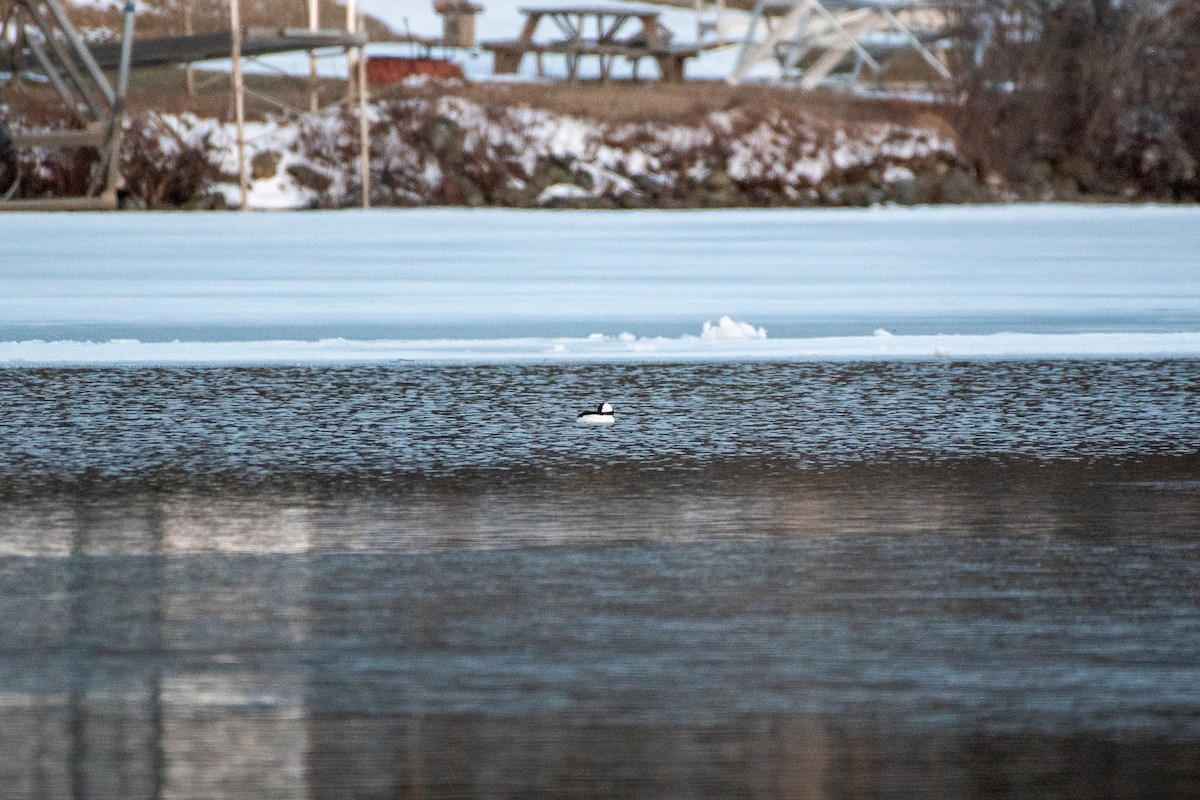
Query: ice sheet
[(551, 278), (607, 349)]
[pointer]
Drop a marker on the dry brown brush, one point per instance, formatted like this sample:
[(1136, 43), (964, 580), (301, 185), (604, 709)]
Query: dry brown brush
[(1063, 97), (161, 167)]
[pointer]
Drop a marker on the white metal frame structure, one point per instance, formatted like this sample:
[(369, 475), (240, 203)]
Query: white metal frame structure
[(38, 36), (712, 23), (811, 38), (42, 31)]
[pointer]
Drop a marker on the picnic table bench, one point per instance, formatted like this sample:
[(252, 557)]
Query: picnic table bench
[(604, 32)]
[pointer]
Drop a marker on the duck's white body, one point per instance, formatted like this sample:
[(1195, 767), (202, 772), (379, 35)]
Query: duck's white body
[(603, 415)]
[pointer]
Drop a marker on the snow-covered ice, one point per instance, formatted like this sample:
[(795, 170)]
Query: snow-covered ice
[(607, 350), (727, 329), (493, 285)]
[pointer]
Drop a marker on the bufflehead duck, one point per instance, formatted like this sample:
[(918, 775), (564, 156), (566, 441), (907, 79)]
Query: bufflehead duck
[(603, 415)]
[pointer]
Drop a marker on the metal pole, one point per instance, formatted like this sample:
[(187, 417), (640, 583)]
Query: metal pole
[(81, 49), (364, 133), (51, 72), (126, 58), (851, 38), (116, 130), (753, 53), (314, 24), (66, 58), (239, 101), (917, 44), (743, 65)]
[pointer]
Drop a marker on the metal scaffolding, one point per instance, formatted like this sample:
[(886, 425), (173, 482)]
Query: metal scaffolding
[(812, 38), (248, 45), (37, 36)]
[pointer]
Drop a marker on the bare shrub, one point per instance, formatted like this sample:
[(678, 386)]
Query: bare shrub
[(56, 173), (1101, 93), (164, 169), (159, 166), (8, 162), (45, 172)]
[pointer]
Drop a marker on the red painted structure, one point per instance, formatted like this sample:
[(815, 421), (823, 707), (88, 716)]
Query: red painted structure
[(386, 70)]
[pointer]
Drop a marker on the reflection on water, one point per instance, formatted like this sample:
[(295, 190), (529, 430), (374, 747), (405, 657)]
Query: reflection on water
[(991, 632), (792, 580)]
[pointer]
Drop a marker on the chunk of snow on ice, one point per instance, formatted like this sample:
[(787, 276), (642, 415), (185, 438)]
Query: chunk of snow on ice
[(727, 329), (595, 337), (882, 333), (941, 352), (627, 337)]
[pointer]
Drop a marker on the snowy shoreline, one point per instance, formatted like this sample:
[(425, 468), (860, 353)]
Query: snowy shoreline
[(624, 348), (449, 150)]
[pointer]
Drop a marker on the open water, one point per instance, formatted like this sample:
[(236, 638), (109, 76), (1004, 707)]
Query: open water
[(867, 579)]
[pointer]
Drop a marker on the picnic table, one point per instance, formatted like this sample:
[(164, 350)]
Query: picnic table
[(603, 32)]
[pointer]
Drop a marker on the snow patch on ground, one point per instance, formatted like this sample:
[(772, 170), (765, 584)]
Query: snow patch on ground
[(276, 191), (724, 151), (561, 191)]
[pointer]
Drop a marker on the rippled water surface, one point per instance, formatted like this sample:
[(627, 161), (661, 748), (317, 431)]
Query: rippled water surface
[(384, 422), (807, 580)]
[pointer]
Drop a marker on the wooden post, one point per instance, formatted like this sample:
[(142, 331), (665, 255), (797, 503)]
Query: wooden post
[(351, 52), (189, 70), (239, 100), (314, 24), (364, 132), (527, 30)]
